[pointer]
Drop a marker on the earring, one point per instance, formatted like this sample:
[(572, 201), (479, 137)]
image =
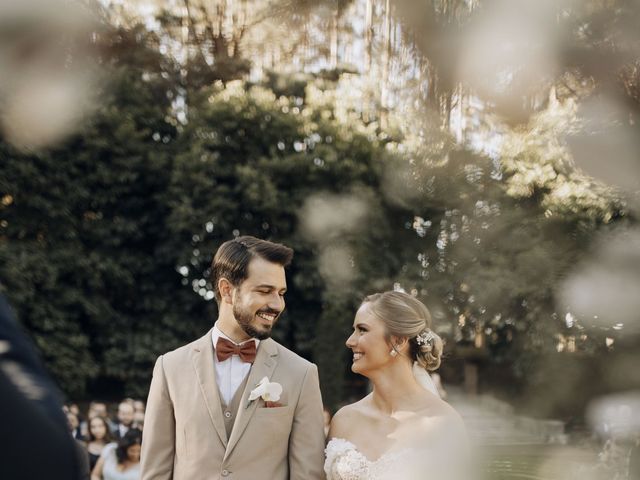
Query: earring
[(393, 352)]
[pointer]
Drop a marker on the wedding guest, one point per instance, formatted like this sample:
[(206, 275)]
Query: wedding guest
[(21, 363), (31, 416), (138, 406), (96, 409), (138, 420), (74, 425), (73, 408), (125, 419), (30, 435), (98, 438), (138, 414), (120, 461)]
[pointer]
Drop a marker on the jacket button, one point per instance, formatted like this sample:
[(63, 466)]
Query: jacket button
[(225, 473), (227, 414)]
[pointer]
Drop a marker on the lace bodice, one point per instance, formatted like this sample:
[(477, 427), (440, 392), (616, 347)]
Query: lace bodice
[(345, 462)]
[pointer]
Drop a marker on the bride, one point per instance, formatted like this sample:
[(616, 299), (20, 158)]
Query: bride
[(402, 429)]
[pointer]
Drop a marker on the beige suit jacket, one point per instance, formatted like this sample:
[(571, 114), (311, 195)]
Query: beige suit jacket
[(184, 435)]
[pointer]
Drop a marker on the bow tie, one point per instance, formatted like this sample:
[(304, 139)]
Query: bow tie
[(225, 348)]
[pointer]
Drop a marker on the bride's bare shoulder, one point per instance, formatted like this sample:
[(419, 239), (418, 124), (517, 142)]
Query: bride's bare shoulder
[(348, 417)]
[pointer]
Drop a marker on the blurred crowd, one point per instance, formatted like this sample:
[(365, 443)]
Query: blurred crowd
[(109, 446)]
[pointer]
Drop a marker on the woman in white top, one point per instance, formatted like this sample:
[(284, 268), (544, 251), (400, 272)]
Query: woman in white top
[(403, 429), (120, 461)]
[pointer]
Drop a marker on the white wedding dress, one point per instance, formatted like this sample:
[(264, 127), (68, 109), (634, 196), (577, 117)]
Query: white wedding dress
[(345, 462), (426, 460)]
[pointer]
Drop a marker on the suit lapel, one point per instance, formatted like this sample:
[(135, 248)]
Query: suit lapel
[(202, 358), (263, 366)]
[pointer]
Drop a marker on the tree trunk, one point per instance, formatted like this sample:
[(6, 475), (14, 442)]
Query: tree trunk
[(333, 55)]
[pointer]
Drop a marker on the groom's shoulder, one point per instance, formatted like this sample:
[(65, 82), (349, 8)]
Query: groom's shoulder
[(180, 353)]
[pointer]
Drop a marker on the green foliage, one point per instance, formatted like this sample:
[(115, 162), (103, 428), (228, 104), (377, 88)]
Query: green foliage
[(106, 240), (249, 162), (99, 230), (497, 238), (81, 231)]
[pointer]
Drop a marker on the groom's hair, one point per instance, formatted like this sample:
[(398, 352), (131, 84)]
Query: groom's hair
[(231, 261)]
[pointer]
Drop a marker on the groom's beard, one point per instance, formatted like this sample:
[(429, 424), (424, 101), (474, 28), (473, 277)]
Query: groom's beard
[(246, 321)]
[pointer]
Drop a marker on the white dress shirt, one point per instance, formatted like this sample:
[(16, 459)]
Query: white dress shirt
[(122, 430), (231, 372)]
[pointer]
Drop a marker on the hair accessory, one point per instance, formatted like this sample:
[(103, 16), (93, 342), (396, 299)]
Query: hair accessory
[(427, 338)]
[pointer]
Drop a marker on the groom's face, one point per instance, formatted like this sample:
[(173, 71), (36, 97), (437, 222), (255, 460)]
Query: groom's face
[(259, 300)]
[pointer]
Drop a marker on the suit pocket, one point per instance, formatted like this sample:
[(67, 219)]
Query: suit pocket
[(273, 411), (276, 421)]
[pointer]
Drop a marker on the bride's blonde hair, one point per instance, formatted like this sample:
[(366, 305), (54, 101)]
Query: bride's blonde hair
[(405, 316)]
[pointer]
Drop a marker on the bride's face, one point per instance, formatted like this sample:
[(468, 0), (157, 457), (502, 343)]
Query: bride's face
[(368, 342)]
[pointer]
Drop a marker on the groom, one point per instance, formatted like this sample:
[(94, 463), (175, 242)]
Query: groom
[(202, 421)]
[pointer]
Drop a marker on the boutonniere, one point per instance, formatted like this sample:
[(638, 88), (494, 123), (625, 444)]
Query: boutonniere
[(268, 391)]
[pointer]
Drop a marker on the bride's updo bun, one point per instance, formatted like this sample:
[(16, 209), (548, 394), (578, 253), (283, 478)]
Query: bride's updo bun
[(407, 317)]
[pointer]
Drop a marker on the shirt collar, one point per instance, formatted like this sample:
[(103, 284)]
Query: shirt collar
[(217, 333)]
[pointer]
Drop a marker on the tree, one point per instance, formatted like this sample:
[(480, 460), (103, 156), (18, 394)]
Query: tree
[(250, 162), (119, 241), (82, 226)]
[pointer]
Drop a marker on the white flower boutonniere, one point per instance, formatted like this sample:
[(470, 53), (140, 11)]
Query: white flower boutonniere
[(269, 391)]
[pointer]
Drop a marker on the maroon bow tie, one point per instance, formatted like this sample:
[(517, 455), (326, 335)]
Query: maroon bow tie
[(225, 348)]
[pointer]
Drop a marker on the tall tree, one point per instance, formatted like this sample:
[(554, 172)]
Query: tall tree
[(82, 225)]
